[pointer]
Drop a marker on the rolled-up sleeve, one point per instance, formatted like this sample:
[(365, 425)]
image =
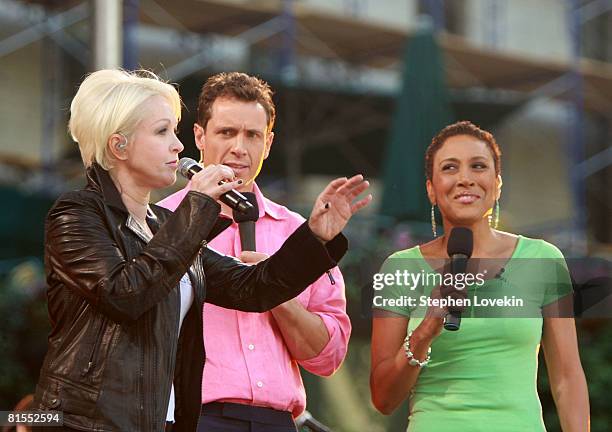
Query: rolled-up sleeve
[(328, 301)]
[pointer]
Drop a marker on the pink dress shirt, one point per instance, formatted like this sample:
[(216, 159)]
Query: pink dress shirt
[(247, 360)]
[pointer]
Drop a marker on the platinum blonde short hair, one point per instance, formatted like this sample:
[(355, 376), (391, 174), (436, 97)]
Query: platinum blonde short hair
[(108, 102)]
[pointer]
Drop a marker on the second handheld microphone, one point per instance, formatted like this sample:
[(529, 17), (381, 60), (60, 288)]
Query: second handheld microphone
[(459, 248)]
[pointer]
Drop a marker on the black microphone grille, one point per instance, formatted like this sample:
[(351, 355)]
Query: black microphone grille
[(251, 214), (460, 241), (185, 165)]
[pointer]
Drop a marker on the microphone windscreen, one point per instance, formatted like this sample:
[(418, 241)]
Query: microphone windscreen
[(250, 215), (460, 241), (186, 165)]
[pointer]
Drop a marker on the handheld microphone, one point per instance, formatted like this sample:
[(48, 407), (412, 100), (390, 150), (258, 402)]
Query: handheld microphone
[(188, 168), (246, 223), (459, 248)]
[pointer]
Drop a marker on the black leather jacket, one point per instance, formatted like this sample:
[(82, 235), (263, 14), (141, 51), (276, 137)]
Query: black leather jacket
[(114, 304)]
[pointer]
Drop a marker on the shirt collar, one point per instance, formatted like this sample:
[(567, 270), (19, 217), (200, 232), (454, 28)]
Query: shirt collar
[(268, 207)]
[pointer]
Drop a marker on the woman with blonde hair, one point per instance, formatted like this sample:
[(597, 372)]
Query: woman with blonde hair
[(127, 279)]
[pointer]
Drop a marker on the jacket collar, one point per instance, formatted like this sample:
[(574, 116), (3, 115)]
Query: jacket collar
[(99, 180)]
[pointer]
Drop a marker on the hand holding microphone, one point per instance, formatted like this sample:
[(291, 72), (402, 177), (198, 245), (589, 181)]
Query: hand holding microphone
[(216, 181), (459, 248)]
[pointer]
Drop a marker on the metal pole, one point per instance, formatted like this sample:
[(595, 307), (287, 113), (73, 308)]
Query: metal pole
[(131, 9), (48, 26), (107, 35), (288, 74), (493, 23), (287, 67), (205, 57), (435, 9), (51, 74), (594, 9), (576, 126)]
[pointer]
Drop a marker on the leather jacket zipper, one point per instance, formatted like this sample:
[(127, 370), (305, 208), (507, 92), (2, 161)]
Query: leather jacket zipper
[(94, 350)]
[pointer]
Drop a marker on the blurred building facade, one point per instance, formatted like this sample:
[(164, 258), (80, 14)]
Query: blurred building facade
[(539, 74)]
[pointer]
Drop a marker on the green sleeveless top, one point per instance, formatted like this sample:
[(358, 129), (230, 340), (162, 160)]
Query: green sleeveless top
[(483, 377)]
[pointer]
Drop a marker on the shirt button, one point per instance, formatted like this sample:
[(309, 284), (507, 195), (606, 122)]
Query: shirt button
[(259, 384), (251, 347)]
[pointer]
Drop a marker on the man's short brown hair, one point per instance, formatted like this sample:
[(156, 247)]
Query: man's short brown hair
[(235, 85)]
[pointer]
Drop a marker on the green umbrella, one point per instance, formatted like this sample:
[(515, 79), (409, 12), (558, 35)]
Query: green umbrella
[(422, 110)]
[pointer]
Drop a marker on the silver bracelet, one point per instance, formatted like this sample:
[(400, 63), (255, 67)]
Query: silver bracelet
[(411, 360)]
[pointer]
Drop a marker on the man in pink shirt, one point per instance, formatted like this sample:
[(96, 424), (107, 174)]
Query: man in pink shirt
[(251, 378)]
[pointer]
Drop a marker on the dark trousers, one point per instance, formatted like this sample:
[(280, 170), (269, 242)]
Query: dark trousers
[(231, 417)]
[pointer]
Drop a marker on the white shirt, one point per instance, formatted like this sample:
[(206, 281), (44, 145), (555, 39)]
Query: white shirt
[(186, 302)]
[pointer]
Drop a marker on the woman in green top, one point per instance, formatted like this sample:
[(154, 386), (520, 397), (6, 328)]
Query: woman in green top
[(482, 377)]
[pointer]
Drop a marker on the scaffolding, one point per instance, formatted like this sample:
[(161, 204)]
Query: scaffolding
[(308, 49)]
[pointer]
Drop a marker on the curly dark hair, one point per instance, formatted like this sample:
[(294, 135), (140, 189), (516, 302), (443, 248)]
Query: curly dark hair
[(238, 86), (461, 128)]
